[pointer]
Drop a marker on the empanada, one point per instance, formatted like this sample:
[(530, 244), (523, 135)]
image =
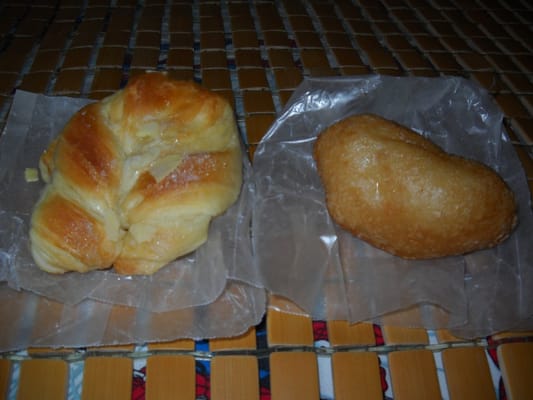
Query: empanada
[(400, 192)]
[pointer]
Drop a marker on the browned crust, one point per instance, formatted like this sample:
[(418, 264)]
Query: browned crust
[(395, 189), (87, 187)]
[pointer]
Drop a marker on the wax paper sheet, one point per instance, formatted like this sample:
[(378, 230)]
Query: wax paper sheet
[(219, 275), (330, 274), (295, 250)]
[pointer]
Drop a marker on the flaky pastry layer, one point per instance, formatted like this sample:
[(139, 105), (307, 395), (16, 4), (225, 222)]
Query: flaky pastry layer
[(134, 180)]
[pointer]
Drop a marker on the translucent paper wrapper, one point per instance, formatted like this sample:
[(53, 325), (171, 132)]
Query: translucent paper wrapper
[(328, 273), (212, 292)]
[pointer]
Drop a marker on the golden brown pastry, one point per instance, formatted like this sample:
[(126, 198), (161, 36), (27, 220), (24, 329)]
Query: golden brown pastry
[(397, 190), (134, 180)]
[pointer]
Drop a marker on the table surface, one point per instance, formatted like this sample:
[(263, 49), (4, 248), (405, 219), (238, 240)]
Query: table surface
[(256, 53)]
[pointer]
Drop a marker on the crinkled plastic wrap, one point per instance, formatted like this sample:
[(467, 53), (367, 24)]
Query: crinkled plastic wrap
[(295, 250), (205, 294), (330, 274)]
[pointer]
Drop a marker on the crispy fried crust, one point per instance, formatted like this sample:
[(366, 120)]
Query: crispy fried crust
[(395, 189), (134, 180)]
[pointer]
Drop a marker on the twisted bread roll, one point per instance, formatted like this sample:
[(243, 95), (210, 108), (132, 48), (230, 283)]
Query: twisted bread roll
[(134, 180), (397, 190)]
